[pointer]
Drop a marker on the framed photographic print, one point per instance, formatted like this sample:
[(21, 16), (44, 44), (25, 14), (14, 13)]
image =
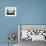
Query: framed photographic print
[(33, 32), (10, 11)]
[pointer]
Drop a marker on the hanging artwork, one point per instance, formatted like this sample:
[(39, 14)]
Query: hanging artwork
[(10, 11)]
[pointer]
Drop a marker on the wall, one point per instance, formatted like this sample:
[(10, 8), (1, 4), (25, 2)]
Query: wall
[(28, 12)]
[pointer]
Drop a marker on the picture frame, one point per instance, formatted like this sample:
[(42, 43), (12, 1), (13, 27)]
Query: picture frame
[(10, 11)]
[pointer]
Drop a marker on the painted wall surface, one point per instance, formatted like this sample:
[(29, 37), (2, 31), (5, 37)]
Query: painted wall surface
[(28, 12)]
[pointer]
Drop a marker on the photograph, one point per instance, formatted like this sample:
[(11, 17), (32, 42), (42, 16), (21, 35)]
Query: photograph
[(10, 11)]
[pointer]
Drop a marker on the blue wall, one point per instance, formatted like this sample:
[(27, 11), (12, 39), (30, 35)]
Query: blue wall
[(28, 12)]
